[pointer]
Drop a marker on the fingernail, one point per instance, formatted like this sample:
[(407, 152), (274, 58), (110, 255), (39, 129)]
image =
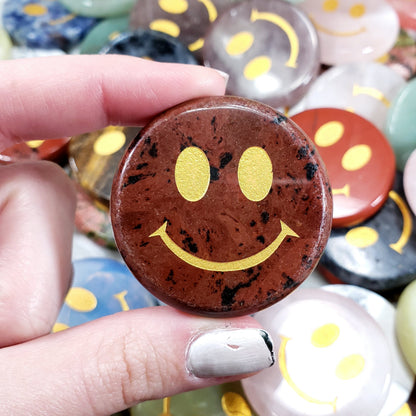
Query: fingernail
[(230, 352), (223, 74)]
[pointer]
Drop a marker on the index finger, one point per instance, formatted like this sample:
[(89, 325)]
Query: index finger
[(65, 96)]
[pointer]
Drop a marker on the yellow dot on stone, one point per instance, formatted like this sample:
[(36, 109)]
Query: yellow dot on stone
[(330, 5), (356, 157), (174, 6), (34, 144), (81, 300), (33, 9), (240, 43), (329, 133), (350, 367), (109, 142), (325, 335), (114, 35), (357, 10), (404, 411), (166, 26), (257, 67), (59, 327), (234, 405), (362, 237)]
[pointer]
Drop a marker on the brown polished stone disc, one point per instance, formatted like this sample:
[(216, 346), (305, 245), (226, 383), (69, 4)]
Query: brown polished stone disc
[(221, 206)]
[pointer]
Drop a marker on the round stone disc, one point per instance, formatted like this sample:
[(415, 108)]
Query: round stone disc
[(44, 24), (384, 313), (269, 48), (379, 253), (99, 8), (359, 159), (150, 44), (52, 149), (332, 359), (407, 12), (221, 206), (94, 158), (352, 31), (100, 287), (409, 181)]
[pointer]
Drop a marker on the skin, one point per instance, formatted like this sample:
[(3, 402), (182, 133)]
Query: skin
[(114, 362)]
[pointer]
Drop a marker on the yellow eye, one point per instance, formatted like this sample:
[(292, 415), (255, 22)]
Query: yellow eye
[(174, 6), (329, 133), (192, 174), (356, 157), (165, 26), (81, 300), (330, 5), (255, 173), (362, 237), (357, 10), (240, 43)]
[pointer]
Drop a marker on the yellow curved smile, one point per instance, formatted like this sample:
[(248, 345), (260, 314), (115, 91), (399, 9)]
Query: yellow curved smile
[(229, 266), (323, 29)]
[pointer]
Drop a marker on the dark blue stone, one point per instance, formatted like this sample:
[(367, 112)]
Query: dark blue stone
[(157, 46), (44, 24), (386, 265), (112, 286)]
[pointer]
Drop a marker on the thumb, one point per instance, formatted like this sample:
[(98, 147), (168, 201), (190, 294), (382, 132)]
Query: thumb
[(115, 362)]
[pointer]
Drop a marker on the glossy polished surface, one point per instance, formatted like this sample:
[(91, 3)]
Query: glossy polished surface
[(359, 159), (52, 149), (333, 358), (351, 31), (405, 324), (100, 287), (5, 44), (44, 24), (221, 206), (400, 127), (406, 9), (384, 313), (378, 254), (94, 158), (99, 8), (186, 20), (151, 45), (366, 89), (409, 181), (102, 33), (269, 48), (93, 219)]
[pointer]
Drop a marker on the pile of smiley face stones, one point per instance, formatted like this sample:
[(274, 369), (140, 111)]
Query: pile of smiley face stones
[(219, 218)]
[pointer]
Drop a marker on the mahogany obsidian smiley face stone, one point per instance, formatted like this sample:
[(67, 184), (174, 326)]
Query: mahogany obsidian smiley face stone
[(221, 206)]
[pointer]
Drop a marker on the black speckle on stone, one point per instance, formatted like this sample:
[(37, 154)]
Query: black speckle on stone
[(215, 173), (291, 176), (261, 239), (137, 227), (189, 243), (166, 220), (280, 118), (249, 271), (302, 152), (183, 147), (131, 180), (153, 150), (141, 166), (225, 159), (252, 223), (144, 243), (170, 277), (265, 217), (147, 140), (208, 236), (311, 169), (306, 262), (214, 124), (218, 282), (289, 282), (305, 197), (228, 294), (182, 232)]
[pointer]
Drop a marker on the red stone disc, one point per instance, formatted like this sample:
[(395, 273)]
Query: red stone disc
[(221, 206), (359, 159), (52, 149)]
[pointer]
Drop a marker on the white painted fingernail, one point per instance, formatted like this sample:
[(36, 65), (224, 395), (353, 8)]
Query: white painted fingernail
[(223, 74), (230, 352)]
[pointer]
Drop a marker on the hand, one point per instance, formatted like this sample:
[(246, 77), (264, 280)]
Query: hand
[(114, 362)]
